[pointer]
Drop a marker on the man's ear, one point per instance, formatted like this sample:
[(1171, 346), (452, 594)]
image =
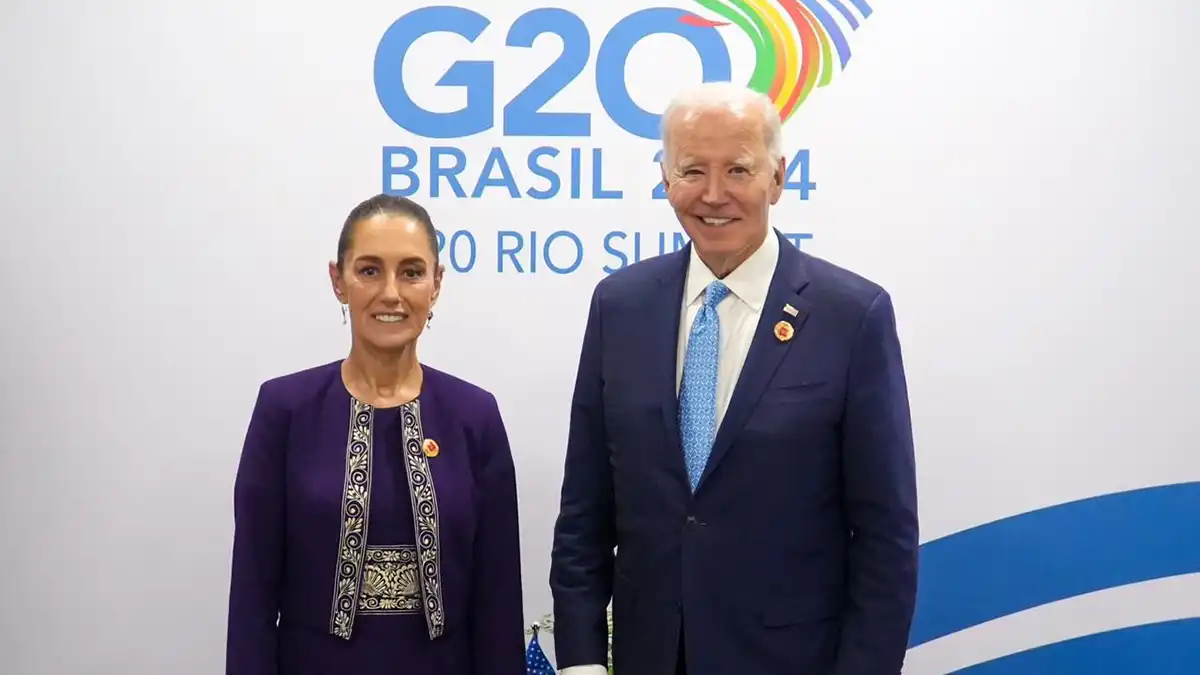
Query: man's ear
[(777, 178)]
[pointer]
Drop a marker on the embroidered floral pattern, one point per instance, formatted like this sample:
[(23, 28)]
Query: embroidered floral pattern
[(387, 579), (390, 584), (425, 518), (356, 503)]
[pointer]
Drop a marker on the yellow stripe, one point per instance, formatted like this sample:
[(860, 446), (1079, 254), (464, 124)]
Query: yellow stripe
[(781, 32)]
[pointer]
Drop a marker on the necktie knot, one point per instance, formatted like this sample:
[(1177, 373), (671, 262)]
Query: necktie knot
[(715, 293)]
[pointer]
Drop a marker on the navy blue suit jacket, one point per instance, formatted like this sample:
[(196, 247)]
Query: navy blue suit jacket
[(798, 551)]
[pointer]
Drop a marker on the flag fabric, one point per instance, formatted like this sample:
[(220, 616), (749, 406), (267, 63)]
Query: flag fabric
[(536, 661)]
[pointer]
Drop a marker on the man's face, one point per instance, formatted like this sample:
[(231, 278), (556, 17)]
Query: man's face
[(721, 183)]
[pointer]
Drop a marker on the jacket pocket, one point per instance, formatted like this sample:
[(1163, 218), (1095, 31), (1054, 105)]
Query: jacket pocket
[(789, 610)]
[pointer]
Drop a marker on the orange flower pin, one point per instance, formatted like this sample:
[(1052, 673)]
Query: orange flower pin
[(430, 447), (784, 331)]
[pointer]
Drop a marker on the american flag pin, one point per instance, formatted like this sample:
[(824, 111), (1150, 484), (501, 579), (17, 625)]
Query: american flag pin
[(788, 309)]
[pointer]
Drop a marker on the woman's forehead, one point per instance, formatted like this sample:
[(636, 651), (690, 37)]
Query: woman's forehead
[(390, 237)]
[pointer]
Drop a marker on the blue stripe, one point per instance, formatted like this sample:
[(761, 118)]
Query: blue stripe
[(862, 6), (1168, 648), (831, 27), (845, 12), (1055, 553)]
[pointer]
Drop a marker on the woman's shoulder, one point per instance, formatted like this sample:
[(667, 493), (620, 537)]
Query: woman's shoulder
[(289, 389), (468, 398)]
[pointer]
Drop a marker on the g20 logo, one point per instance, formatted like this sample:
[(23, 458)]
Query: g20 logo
[(797, 45), (523, 114)]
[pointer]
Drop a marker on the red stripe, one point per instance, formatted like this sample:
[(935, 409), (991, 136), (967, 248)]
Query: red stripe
[(700, 22), (809, 46)]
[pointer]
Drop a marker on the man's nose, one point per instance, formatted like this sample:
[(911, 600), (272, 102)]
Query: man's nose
[(714, 191)]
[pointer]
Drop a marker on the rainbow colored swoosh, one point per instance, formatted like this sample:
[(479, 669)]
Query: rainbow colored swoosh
[(786, 68)]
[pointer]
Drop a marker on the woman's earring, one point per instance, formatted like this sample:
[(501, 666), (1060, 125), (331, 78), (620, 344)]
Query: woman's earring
[(343, 314), (429, 321)]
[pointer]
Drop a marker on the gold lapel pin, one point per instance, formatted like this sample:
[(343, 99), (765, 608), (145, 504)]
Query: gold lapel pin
[(784, 331), (430, 447), (792, 311)]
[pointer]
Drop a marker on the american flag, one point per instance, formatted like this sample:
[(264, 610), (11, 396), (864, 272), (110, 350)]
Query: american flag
[(536, 661)]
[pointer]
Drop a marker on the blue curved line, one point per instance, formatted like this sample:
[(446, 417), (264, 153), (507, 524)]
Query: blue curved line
[(845, 12), (862, 6), (1167, 648), (1055, 553), (831, 27)]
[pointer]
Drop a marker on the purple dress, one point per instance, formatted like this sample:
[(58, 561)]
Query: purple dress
[(375, 541)]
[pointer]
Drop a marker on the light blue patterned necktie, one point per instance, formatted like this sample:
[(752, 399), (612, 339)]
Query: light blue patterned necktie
[(698, 390)]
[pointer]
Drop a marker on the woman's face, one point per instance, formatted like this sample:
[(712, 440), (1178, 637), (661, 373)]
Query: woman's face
[(390, 280)]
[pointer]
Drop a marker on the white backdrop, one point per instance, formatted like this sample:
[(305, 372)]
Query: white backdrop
[(1020, 176)]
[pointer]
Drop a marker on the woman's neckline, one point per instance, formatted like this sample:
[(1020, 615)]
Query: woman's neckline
[(391, 406)]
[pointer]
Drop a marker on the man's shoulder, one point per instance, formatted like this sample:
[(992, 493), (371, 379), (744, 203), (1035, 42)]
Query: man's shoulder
[(634, 280), (841, 286)]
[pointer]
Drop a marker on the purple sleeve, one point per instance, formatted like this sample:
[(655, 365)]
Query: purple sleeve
[(497, 617), (251, 647)]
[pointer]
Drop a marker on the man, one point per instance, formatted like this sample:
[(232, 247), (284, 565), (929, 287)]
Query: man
[(740, 436)]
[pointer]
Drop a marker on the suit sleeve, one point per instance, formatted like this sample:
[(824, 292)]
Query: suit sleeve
[(880, 495), (581, 565), (497, 618), (258, 542)]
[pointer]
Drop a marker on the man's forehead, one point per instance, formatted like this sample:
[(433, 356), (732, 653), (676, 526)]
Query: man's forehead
[(719, 143), (745, 154), (717, 120), (717, 131)]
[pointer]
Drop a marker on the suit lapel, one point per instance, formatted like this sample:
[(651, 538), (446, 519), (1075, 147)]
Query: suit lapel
[(663, 310), (766, 350)]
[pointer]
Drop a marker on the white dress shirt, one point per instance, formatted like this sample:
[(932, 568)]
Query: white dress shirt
[(739, 314)]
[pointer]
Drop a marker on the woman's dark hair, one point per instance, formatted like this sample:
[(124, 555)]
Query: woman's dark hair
[(389, 205)]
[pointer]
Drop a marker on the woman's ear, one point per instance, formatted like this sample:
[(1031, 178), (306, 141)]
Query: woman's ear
[(437, 283), (335, 280)]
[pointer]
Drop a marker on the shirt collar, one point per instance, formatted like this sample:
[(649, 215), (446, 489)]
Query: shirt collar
[(749, 281)]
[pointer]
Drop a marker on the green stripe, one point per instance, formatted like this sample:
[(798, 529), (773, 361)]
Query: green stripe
[(764, 48)]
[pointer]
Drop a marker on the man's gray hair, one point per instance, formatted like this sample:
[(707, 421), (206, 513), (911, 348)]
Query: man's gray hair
[(734, 98)]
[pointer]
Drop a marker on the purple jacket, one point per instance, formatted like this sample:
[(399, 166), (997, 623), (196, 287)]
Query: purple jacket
[(375, 540)]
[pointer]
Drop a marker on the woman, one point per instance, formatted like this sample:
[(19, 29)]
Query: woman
[(375, 501)]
